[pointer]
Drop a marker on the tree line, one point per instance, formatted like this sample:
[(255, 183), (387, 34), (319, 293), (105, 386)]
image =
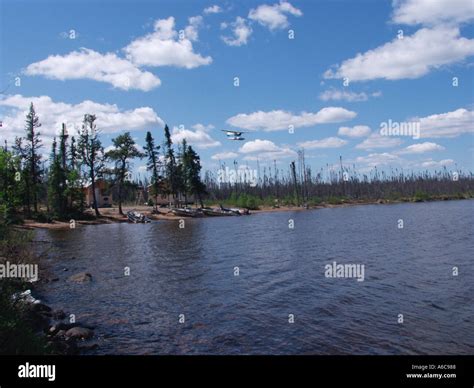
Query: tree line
[(37, 189), (301, 185), (28, 185)]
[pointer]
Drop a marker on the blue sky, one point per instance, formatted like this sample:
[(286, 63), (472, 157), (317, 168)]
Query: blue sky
[(137, 65)]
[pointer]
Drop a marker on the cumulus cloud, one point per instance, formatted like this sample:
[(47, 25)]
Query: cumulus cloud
[(277, 120), (274, 16), (199, 138), (376, 141), (410, 57), (329, 142), (430, 163), (110, 118), (163, 47), (212, 9), (421, 148), (241, 32), (431, 12), (265, 150), (449, 124), (191, 31), (355, 131), (89, 64), (375, 160), (224, 155), (346, 95)]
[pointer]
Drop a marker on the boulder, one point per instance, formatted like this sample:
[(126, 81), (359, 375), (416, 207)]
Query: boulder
[(79, 333), (81, 277)]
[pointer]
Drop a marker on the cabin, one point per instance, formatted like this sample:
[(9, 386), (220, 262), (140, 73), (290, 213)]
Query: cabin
[(102, 194)]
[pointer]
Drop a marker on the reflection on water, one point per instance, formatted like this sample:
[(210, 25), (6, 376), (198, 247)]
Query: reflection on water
[(191, 271)]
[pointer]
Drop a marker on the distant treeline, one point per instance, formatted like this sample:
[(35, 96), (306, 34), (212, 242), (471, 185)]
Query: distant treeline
[(301, 186)]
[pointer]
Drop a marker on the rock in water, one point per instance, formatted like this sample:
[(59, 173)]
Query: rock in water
[(79, 332), (81, 277)]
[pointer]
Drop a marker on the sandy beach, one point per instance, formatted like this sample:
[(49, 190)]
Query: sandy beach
[(111, 215)]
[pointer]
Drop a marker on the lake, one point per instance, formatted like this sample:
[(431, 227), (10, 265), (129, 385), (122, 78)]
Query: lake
[(253, 285)]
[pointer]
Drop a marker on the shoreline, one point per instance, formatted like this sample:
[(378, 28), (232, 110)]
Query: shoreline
[(111, 215)]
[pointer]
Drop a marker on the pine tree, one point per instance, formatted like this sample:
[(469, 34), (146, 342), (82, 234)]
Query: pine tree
[(153, 165), (91, 154), (125, 149), (9, 186), (33, 157), (171, 167), (56, 186), (191, 166)]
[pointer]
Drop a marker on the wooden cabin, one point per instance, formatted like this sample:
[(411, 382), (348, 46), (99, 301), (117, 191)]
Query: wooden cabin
[(102, 193)]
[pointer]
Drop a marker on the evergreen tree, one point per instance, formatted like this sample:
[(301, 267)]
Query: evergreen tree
[(125, 149), (153, 165), (91, 154), (33, 157), (171, 167), (192, 173), (56, 183), (9, 185)]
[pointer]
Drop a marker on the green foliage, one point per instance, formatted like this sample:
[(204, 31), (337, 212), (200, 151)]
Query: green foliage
[(124, 150), (16, 332), (10, 189), (421, 196)]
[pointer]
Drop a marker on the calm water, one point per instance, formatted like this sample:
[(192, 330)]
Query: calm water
[(190, 271)]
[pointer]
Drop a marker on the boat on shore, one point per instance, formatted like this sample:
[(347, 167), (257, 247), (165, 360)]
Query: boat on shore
[(137, 218), (215, 212), (222, 211), (187, 212)]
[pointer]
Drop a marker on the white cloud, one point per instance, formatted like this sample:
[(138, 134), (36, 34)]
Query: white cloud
[(277, 120), (164, 48), (192, 29), (274, 16), (198, 138), (224, 155), (329, 142), (212, 9), (375, 160), (346, 95), (433, 163), (376, 140), (421, 148), (241, 30), (89, 64), (265, 150), (203, 127), (431, 12), (410, 57), (110, 119), (450, 124), (355, 131)]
